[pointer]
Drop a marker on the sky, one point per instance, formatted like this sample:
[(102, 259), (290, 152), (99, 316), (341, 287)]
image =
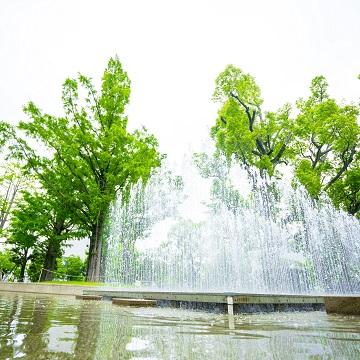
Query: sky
[(173, 51)]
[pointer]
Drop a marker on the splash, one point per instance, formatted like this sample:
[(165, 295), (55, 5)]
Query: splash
[(216, 230)]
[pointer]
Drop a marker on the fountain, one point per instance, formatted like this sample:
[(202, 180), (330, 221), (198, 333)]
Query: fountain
[(214, 230)]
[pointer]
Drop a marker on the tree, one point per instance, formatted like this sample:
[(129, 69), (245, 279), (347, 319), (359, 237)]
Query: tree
[(52, 204), (6, 132), (327, 145), (96, 156), (22, 239), (345, 192), (12, 182), (242, 131), (9, 185), (48, 224), (223, 192), (10, 177), (35, 266), (7, 266), (322, 143), (71, 268)]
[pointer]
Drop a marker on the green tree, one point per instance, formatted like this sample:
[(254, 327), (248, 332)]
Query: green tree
[(96, 156), (45, 223), (223, 193), (242, 131), (6, 132), (7, 266), (71, 268), (345, 193), (10, 177), (326, 146), (35, 265), (12, 181), (22, 239)]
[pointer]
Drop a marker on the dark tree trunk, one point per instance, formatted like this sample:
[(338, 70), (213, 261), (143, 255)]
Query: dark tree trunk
[(53, 252), (354, 207), (49, 265), (23, 266), (95, 249)]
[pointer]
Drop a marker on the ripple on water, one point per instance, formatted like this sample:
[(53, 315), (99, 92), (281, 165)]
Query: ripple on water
[(48, 327)]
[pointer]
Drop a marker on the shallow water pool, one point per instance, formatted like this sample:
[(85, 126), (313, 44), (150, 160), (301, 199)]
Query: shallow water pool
[(49, 327)]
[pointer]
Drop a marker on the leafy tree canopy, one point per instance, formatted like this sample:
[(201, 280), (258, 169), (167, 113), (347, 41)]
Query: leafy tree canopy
[(95, 155), (7, 266), (321, 143), (70, 268), (24, 232), (242, 131), (326, 143)]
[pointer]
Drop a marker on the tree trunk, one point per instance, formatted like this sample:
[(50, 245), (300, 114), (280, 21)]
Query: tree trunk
[(49, 265), (9, 200), (354, 207), (95, 248), (53, 251), (23, 267)]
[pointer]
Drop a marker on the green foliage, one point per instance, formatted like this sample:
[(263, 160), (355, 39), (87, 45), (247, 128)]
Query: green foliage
[(25, 225), (11, 177), (26, 228), (38, 224), (322, 143), (241, 130), (318, 89), (309, 176), (345, 193), (6, 133), (7, 266), (37, 215), (11, 181), (326, 146), (223, 193), (75, 282), (233, 81), (94, 155), (70, 268), (35, 265)]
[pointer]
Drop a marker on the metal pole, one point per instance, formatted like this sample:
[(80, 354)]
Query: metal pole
[(230, 308), (40, 274)]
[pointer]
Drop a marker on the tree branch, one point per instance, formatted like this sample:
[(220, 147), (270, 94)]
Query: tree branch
[(280, 153), (346, 163)]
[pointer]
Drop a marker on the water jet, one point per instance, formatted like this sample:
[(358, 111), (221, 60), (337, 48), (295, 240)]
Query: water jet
[(176, 235)]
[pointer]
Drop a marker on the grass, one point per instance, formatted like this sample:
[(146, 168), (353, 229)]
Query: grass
[(74, 282)]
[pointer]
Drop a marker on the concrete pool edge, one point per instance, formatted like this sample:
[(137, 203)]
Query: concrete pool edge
[(346, 305), (240, 302), (39, 288), (229, 302)]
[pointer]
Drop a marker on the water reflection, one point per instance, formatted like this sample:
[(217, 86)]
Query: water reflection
[(45, 327)]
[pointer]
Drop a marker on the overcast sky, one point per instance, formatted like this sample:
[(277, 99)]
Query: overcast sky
[(173, 51)]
